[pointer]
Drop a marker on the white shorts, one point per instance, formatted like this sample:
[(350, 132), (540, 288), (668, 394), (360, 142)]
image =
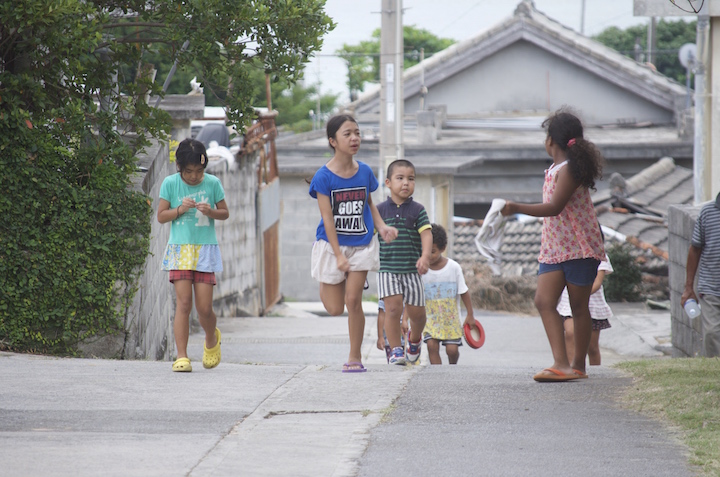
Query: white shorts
[(361, 259)]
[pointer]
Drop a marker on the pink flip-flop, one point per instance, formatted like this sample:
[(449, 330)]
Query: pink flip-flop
[(580, 374), (552, 375)]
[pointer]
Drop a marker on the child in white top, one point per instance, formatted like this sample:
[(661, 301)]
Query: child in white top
[(445, 286), (600, 311)]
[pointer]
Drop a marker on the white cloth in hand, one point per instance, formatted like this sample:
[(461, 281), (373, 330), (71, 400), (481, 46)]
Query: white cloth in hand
[(490, 236), (203, 220)]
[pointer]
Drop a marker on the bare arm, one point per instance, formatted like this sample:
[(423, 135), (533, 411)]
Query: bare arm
[(380, 327), (564, 190), (404, 325), (693, 260), (423, 262), (329, 224), (388, 234), (166, 214), (598, 281), (467, 301)]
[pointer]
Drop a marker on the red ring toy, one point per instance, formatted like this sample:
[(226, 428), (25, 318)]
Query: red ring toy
[(474, 336)]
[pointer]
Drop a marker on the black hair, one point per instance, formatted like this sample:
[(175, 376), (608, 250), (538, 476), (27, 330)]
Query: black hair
[(334, 124), (439, 236), (190, 152), (584, 158), (399, 163)]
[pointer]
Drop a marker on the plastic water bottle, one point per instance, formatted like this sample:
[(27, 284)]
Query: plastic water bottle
[(692, 309)]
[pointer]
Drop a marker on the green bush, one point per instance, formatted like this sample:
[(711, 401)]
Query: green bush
[(73, 239), (74, 78), (624, 283)]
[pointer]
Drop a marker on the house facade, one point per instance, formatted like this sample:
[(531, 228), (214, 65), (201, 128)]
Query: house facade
[(489, 95), (530, 64)]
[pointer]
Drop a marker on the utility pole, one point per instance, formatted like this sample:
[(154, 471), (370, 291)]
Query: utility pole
[(652, 40), (582, 17), (702, 160), (391, 85), (423, 88)]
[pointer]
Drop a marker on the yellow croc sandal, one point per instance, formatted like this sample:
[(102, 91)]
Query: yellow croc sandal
[(182, 365), (211, 357)]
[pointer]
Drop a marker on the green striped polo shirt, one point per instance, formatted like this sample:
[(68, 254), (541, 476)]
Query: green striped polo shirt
[(410, 219)]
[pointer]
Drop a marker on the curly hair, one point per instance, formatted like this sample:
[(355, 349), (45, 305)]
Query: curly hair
[(439, 236), (584, 158)]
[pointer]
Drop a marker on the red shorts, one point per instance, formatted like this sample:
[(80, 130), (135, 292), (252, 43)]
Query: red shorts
[(193, 276)]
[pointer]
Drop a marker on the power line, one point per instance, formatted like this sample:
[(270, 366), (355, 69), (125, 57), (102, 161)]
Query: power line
[(460, 17)]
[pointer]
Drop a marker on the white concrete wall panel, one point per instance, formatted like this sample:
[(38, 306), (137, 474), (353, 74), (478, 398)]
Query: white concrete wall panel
[(526, 78)]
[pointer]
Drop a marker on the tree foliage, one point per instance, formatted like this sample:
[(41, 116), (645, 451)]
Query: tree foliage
[(624, 283), (293, 101), (364, 58), (671, 35), (74, 78)]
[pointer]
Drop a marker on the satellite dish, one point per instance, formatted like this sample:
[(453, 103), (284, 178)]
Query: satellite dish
[(687, 54)]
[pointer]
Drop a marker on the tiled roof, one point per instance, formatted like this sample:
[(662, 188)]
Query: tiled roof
[(520, 248), (634, 211), (637, 208), (531, 25)]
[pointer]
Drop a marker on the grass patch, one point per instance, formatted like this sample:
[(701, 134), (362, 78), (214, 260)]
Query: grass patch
[(370, 297), (686, 392), (385, 413)]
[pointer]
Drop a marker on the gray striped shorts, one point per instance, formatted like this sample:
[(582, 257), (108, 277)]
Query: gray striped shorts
[(409, 285)]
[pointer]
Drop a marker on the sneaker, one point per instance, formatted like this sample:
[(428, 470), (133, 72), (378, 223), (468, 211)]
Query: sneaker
[(388, 353), (397, 356), (412, 352)]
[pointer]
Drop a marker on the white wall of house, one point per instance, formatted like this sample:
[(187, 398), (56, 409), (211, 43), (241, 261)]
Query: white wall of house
[(524, 77), (300, 217)]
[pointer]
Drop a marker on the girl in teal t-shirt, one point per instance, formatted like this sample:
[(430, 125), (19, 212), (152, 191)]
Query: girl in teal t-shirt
[(193, 201)]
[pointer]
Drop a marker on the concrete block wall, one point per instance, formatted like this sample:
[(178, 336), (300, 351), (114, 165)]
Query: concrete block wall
[(299, 218), (238, 291), (686, 335), (149, 319)]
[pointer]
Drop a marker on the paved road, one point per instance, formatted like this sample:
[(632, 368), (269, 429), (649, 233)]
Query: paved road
[(487, 417), (278, 405)]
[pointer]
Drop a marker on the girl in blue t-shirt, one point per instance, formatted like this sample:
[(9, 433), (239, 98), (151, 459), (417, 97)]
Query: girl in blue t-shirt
[(193, 201), (345, 248)]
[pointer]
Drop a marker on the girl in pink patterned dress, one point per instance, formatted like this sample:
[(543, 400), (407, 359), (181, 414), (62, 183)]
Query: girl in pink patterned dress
[(572, 245)]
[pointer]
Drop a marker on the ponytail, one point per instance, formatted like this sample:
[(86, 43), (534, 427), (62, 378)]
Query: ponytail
[(584, 162), (584, 158)]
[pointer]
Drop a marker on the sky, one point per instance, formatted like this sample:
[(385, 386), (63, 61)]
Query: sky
[(455, 19)]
